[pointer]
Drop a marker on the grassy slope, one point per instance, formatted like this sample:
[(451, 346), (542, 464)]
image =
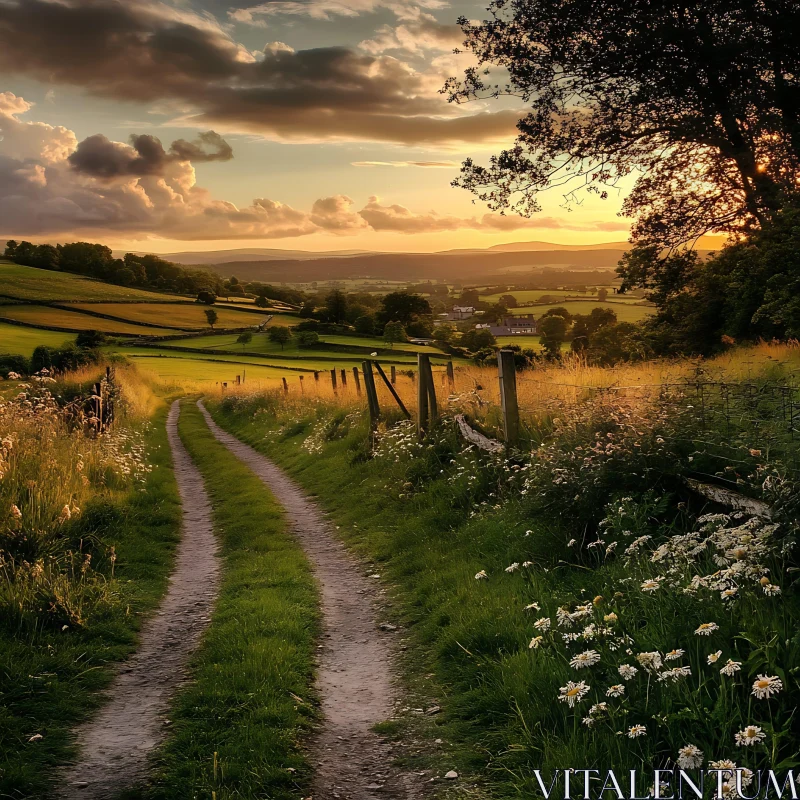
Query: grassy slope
[(49, 684), (256, 659), (180, 315), (23, 341), (29, 283), (65, 318)]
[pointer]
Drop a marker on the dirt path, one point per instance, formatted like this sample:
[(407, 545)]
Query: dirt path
[(115, 744), (354, 675)]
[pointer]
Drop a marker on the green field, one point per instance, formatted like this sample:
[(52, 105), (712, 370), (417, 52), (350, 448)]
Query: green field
[(23, 341), (55, 317), (262, 344), (535, 295), (185, 315), (29, 283), (213, 371), (626, 312)]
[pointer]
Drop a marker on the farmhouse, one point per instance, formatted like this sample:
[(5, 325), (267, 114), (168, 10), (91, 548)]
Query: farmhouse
[(518, 325), (461, 312)]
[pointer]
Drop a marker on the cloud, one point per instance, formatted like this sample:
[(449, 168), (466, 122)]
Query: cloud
[(51, 184), (430, 164), (102, 158), (321, 9), (416, 32), (151, 53)]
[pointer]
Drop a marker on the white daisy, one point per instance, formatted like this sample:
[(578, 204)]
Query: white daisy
[(573, 692), (542, 624), (750, 736), (707, 628), (627, 672), (617, 690), (765, 686), (673, 655), (714, 657), (535, 642), (636, 730), (690, 757), (586, 659), (731, 667), (480, 576)]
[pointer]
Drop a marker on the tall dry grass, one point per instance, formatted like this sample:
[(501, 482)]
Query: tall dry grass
[(50, 471)]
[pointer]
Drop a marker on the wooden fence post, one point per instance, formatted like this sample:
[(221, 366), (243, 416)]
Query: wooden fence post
[(316, 376), (372, 394), (507, 375), (285, 386), (422, 395), (356, 379), (451, 377), (344, 378), (302, 385), (394, 374), (333, 379)]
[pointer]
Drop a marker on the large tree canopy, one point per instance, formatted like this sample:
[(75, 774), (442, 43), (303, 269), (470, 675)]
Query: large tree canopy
[(700, 101)]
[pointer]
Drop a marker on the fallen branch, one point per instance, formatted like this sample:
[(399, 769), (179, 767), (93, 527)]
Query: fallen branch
[(478, 439), (729, 498)]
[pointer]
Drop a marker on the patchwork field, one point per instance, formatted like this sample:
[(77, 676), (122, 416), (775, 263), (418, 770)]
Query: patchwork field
[(29, 283), (626, 312), (17, 340), (52, 316), (262, 344), (188, 316)]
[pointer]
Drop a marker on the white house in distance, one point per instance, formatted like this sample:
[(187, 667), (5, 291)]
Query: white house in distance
[(460, 312), (518, 325)]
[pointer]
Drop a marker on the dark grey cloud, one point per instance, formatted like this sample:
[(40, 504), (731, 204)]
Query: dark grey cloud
[(148, 52), (99, 157)]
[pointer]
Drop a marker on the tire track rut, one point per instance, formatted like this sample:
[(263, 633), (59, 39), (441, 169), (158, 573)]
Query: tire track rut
[(115, 743), (355, 678)]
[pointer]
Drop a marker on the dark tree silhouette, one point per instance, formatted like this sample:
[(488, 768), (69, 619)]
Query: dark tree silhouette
[(699, 101)]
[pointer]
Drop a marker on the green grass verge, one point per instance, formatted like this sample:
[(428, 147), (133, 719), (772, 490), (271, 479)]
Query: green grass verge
[(51, 681), (16, 340), (251, 700)]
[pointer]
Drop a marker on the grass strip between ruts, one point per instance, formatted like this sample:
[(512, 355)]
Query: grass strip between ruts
[(237, 728)]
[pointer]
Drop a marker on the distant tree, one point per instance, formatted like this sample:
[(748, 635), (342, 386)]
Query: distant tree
[(262, 302), (477, 339), (602, 295), (420, 328), (403, 307), (91, 339), (42, 358), (207, 297), (278, 334), (45, 256), (307, 310), (124, 277), (558, 311), (244, 338), (11, 249), (469, 297), (365, 325), (553, 331), (394, 332), (509, 301), (616, 342), (443, 333), (307, 339), (336, 306), (212, 317), (584, 325)]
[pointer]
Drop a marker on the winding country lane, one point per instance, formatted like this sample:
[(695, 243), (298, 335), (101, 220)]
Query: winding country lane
[(115, 743), (354, 676)]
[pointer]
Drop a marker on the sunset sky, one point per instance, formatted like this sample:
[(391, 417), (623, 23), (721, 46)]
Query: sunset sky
[(299, 124)]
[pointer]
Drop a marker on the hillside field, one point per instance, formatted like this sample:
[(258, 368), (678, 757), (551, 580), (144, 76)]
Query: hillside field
[(16, 340), (56, 317), (44, 285), (187, 316)]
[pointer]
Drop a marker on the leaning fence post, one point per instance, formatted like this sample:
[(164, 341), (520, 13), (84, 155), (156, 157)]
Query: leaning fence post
[(451, 378), (372, 394), (392, 390), (357, 381), (344, 378), (507, 375), (285, 386), (333, 379)]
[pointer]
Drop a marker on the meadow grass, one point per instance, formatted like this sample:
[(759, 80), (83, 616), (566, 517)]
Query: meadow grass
[(492, 561), (52, 316), (237, 730), (17, 340), (44, 285), (51, 678), (188, 316)]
